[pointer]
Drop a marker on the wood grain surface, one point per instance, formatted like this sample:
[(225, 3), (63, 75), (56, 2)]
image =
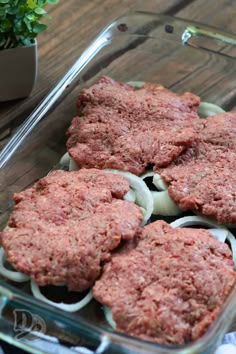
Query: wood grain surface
[(75, 23)]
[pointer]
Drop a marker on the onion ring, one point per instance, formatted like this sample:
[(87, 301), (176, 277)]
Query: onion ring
[(206, 109), (11, 274), (143, 194), (66, 307), (108, 315)]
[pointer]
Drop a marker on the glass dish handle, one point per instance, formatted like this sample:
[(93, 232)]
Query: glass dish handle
[(204, 37)]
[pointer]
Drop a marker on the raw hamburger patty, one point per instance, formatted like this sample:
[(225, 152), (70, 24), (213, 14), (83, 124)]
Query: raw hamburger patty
[(128, 129), (168, 285), (203, 177), (65, 226)]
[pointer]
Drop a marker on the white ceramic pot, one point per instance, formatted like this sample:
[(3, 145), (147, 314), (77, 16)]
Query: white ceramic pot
[(18, 72)]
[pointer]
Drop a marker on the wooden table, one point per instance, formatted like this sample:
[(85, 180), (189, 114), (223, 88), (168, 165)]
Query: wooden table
[(75, 23)]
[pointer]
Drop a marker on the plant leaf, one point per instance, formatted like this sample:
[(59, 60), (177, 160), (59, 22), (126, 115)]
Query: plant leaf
[(31, 17), (39, 27), (28, 23), (42, 3), (27, 41), (52, 1), (32, 4), (39, 11)]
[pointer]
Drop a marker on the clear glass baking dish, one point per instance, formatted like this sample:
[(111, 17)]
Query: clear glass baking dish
[(139, 46)]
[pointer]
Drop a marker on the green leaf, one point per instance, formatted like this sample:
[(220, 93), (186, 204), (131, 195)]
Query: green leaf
[(27, 41), (31, 17), (42, 3), (39, 27), (52, 1), (28, 24), (31, 4), (4, 1), (12, 11), (40, 11)]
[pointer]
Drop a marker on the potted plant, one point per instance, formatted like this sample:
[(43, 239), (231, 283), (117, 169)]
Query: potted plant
[(20, 23)]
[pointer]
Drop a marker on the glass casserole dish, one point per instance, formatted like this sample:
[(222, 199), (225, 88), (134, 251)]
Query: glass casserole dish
[(182, 56)]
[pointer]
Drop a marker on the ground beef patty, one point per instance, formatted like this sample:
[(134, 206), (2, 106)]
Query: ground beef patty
[(128, 129), (203, 177), (168, 285), (65, 225)]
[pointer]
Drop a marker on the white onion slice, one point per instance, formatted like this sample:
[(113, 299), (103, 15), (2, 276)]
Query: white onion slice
[(157, 180), (130, 196), (164, 205), (73, 165), (219, 234), (206, 109), (108, 315), (136, 84), (143, 194), (143, 211), (11, 274), (65, 160), (147, 173), (195, 220), (66, 307)]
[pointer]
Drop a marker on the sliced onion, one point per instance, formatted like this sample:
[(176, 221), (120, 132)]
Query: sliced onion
[(143, 194), (10, 274), (143, 211), (130, 196), (147, 173), (195, 220), (219, 234), (157, 180), (73, 165), (66, 307), (164, 205), (206, 109), (108, 315), (136, 84), (65, 160)]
